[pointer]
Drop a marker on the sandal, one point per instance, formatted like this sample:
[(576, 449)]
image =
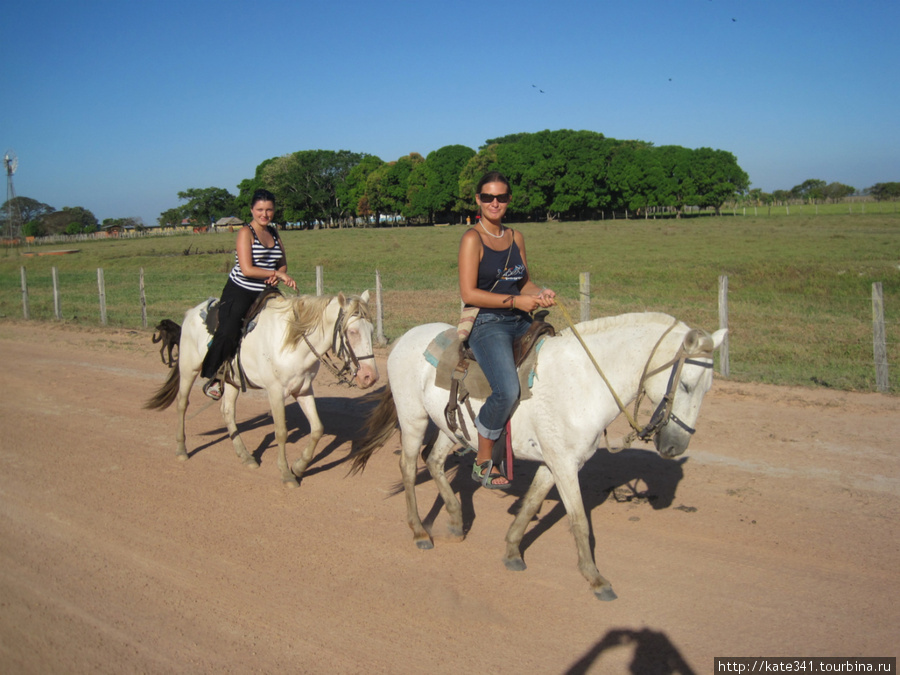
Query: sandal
[(213, 389), (481, 473)]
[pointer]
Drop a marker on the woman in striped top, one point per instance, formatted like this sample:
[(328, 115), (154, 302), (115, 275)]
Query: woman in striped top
[(259, 261)]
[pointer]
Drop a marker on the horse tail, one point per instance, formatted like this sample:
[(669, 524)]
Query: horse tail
[(380, 425), (167, 393)]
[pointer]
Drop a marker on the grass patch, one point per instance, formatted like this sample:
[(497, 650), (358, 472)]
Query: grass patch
[(800, 288)]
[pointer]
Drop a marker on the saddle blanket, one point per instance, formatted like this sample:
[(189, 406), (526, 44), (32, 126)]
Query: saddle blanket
[(443, 354)]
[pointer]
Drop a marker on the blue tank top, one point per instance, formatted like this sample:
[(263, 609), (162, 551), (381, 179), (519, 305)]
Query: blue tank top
[(267, 258), (507, 274)]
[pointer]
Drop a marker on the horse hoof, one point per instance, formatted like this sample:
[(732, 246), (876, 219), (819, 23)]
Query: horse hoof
[(515, 564), (606, 594), (424, 544), (455, 534), (181, 456), (290, 483)]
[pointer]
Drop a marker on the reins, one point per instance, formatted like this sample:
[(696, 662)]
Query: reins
[(663, 412), (342, 348)]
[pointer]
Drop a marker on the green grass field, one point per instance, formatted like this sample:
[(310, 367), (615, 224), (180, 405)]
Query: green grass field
[(800, 287)]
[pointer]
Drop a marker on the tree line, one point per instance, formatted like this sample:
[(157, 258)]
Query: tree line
[(38, 219), (555, 175)]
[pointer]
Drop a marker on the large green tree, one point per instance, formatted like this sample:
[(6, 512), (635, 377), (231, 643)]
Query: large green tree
[(835, 192), (307, 183), (352, 191), (388, 185), (206, 205), (812, 190), (75, 218), (717, 177), (885, 191), (26, 208), (433, 184)]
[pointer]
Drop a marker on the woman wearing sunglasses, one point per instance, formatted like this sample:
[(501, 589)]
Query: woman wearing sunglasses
[(493, 275)]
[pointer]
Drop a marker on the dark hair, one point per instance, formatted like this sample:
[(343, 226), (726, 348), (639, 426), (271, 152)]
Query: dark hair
[(492, 177), (262, 196)]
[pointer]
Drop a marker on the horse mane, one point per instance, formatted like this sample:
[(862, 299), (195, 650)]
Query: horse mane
[(305, 312), (607, 323)]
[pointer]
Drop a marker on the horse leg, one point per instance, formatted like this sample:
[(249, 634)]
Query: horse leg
[(276, 405), (570, 493), (537, 492), (411, 436), (229, 398), (307, 404), (435, 463), (185, 383)]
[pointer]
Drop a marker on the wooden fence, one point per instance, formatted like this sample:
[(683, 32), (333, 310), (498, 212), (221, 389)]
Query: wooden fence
[(879, 341)]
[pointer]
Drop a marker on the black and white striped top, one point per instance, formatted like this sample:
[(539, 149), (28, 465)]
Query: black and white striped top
[(267, 258)]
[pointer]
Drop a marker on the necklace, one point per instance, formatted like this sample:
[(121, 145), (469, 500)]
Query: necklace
[(495, 236)]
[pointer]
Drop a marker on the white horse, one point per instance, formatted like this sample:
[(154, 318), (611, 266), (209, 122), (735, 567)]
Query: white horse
[(562, 423), (281, 355)]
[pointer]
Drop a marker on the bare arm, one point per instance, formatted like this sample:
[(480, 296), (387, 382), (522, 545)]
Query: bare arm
[(531, 296), (245, 260)]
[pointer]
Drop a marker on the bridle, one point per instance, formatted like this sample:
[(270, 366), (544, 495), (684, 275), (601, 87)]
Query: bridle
[(663, 413), (342, 350)]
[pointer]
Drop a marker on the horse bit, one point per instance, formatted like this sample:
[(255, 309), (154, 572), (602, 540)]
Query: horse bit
[(341, 347)]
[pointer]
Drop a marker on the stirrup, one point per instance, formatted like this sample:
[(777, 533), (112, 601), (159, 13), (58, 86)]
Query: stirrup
[(213, 388), (481, 473)]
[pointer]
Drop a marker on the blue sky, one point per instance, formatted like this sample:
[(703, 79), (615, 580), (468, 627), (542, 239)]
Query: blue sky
[(117, 105)]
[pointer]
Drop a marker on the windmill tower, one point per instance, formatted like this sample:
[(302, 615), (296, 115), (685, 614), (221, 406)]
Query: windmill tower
[(13, 224)]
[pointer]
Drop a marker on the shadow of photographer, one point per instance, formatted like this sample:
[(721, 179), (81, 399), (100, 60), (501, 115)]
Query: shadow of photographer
[(651, 653)]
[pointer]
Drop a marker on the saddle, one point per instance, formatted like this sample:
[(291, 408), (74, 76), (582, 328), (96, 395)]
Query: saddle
[(467, 379), (211, 319)]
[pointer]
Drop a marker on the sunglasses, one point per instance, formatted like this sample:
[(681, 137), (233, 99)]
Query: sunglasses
[(487, 197)]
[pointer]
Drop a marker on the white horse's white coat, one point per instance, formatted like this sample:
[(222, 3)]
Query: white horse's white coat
[(276, 364), (561, 424)]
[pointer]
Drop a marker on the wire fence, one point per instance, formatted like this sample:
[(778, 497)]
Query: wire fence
[(848, 343)]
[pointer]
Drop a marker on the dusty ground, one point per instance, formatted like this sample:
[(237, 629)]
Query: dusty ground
[(778, 534)]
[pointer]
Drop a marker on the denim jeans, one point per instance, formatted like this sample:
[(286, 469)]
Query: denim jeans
[(492, 343)]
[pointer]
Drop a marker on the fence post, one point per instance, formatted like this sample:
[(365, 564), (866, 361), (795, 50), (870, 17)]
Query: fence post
[(25, 311), (320, 280), (101, 285), (584, 290), (878, 338), (143, 301), (724, 367), (379, 312), (57, 310)]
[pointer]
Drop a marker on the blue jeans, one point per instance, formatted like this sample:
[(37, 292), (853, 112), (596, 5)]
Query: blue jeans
[(492, 343)]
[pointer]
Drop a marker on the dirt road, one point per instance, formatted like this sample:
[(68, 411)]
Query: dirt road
[(776, 534)]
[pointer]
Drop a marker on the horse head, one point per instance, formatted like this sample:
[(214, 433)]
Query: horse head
[(356, 333), (677, 388)]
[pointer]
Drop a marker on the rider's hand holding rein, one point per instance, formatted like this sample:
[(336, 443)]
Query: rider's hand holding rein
[(282, 276), (528, 302)]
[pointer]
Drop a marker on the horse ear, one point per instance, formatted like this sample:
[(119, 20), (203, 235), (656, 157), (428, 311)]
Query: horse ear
[(719, 337), (342, 301), (365, 296), (693, 341)]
